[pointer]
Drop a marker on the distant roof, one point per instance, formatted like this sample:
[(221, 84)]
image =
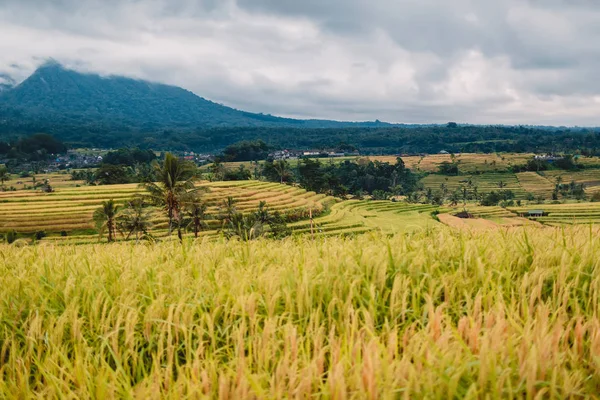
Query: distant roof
[(536, 211)]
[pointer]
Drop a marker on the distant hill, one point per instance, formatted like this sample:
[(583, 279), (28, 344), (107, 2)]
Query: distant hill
[(54, 94), (88, 110)]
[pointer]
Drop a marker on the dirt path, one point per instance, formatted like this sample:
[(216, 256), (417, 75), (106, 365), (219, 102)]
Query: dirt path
[(485, 224), (467, 223)]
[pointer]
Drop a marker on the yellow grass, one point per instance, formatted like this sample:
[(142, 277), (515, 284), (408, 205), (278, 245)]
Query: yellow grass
[(435, 315)]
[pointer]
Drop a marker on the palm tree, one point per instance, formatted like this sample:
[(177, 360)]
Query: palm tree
[(444, 188), (175, 178), (134, 220), (262, 214), (244, 227), (4, 175), (104, 217), (465, 195), (218, 171), (195, 213), (228, 209), (454, 199), (283, 169)]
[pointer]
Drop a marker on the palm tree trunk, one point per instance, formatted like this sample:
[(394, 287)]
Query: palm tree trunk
[(110, 230)]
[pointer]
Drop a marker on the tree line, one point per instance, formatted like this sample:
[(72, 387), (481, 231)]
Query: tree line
[(407, 139)]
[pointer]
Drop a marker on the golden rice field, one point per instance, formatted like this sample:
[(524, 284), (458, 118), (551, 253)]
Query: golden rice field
[(436, 314), (71, 209), (485, 183), (534, 183), (590, 178), (58, 180), (565, 214)]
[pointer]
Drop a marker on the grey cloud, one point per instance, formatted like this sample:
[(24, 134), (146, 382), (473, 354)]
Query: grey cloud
[(502, 61)]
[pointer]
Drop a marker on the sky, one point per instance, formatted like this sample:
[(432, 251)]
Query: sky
[(411, 61)]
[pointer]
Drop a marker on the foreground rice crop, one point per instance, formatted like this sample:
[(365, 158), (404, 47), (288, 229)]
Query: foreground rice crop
[(436, 314)]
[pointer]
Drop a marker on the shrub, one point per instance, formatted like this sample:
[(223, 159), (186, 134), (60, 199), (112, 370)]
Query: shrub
[(39, 235), (10, 236), (381, 195)]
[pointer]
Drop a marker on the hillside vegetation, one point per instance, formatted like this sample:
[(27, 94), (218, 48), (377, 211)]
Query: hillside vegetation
[(88, 110)]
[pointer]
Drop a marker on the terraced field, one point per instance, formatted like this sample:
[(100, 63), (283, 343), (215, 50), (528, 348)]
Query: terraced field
[(589, 177), (565, 214), (536, 184), (354, 216), (71, 209), (58, 180), (485, 182)]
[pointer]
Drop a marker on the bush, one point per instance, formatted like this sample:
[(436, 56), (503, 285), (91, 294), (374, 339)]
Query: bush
[(39, 235), (493, 198), (10, 236), (447, 168), (63, 233), (381, 195)]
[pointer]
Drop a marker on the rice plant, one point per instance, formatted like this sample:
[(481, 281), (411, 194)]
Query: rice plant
[(435, 314)]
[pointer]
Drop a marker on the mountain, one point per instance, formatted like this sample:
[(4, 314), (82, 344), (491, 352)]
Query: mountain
[(56, 95), (6, 83)]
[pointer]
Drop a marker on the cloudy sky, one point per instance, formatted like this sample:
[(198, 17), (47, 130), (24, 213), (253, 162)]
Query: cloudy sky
[(473, 61)]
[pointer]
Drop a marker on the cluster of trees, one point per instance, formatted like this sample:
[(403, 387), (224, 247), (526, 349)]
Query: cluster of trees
[(119, 167), (253, 225), (567, 163), (181, 200), (37, 147), (379, 139), (174, 192), (246, 151), (129, 157), (109, 174), (384, 140), (571, 190), (347, 178)]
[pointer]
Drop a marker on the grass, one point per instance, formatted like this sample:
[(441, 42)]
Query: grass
[(435, 314)]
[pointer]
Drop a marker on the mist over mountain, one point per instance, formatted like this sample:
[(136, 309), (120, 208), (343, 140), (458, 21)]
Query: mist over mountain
[(56, 95), (89, 110), (6, 82)]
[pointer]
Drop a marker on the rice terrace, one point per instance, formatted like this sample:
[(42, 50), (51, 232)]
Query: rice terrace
[(258, 199), (408, 297)]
